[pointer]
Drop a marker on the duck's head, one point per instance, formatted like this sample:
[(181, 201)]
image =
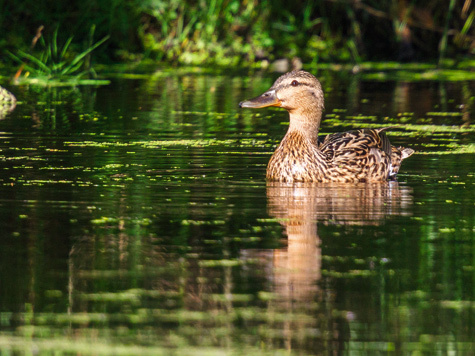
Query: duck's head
[(298, 91)]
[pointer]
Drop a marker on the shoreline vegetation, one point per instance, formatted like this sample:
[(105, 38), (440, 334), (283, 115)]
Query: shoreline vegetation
[(231, 33)]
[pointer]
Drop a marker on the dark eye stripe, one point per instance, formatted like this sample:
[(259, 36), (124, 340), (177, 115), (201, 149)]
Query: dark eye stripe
[(291, 84), (301, 82)]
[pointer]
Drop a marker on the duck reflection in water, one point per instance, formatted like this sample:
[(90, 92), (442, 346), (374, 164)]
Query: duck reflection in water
[(296, 269)]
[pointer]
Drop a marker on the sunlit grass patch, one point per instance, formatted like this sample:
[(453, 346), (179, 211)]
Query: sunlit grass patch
[(56, 65)]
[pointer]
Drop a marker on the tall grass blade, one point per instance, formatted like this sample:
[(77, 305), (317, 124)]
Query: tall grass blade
[(36, 61), (73, 66), (65, 47), (444, 40), (54, 44), (468, 24), (22, 61)]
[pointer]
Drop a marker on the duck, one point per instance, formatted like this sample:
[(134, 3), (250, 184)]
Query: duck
[(364, 155)]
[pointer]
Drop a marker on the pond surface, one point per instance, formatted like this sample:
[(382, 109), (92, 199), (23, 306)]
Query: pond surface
[(136, 220)]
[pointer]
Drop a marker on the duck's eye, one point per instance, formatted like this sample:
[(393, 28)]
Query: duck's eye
[(294, 83)]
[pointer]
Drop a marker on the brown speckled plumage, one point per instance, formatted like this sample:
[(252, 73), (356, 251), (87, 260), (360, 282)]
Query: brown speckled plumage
[(353, 156)]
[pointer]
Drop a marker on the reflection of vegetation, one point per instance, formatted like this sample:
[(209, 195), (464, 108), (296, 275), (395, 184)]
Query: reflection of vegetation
[(57, 63), (60, 108)]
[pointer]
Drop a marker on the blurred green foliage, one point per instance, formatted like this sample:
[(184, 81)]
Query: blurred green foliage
[(55, 63), (235, 32)]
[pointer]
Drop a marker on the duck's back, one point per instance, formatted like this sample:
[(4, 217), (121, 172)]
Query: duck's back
[(363, 155)]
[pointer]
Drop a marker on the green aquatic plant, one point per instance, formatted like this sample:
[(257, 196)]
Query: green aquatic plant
[(58, 63)]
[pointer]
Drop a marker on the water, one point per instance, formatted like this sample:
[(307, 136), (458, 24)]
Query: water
[(136, 220)]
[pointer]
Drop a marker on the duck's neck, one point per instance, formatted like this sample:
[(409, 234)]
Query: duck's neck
[(306, 123)]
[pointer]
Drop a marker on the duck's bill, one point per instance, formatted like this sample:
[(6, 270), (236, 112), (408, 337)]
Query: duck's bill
[(269, 98)]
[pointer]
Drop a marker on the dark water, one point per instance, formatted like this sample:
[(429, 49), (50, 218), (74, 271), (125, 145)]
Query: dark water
[(136, 220)]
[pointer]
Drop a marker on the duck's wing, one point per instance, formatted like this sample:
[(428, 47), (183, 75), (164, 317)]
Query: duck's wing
[(321, 140), (365, 153), (359, 141)]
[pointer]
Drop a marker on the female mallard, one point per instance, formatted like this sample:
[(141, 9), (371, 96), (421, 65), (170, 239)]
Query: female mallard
[(364, 155)]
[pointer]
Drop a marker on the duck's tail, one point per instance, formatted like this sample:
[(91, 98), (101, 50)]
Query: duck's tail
[(397, 155)]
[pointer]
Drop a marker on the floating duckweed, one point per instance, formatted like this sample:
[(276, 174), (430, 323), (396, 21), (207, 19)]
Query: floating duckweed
[(220, 263), (349, 274), (247, 239), (446, 230), (212, 242), (452, 149), (104, 220), (230, 297), (257, 229), (268, 220), (437, 128), (18, 158), (201, 113), (470, 148), (412, 76), (202, 222), (444, 114), (45, 181), (457, 304), (50, 168), (144, 222), (96, 144), (267, 296), (359, 272), (362, 117), (130, 296), (53, 293), (114, 165)]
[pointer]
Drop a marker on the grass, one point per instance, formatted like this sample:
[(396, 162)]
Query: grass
[(58, 64)]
